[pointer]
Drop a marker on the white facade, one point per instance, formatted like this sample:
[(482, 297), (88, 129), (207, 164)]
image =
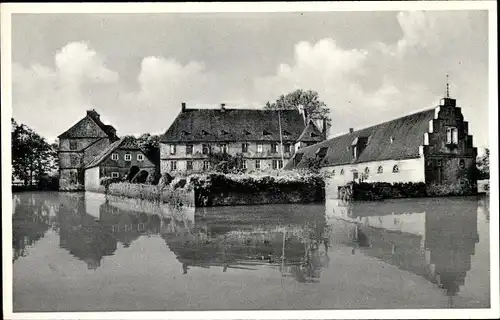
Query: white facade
[(92, 179)]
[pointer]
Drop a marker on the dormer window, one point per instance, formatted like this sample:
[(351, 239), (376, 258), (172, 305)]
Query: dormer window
[(354, 152), (321, 152), (203, 132), (395, 169), (391, 139), (367, 170), (380, 169), (451, 135), (342, 172), (286, 133), (184, 132), (265, 132), (224, 132), (247, 133)]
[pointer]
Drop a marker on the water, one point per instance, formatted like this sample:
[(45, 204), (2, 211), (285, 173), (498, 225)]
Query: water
[(86, 252)]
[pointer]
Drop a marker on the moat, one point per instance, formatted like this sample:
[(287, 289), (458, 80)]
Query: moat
[(89, 252)]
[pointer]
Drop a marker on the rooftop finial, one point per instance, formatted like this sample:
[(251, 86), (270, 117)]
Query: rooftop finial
[(447, 87)]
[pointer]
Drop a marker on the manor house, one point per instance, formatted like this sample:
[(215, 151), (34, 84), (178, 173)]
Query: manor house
[(265, 139)]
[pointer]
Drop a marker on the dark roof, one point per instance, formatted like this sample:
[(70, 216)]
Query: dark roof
[(78, 130), (234, 125), (128, 143), (311, 134), (407, 136)]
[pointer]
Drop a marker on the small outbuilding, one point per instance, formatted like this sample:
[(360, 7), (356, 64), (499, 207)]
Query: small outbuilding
[(123, 159)]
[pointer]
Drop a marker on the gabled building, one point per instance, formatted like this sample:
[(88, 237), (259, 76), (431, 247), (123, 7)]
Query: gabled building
[(432, 146), (122, 159), (79, 145), (255, 134)]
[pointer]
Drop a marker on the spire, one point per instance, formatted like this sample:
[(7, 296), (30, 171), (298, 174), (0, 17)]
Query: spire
[(447, 86)]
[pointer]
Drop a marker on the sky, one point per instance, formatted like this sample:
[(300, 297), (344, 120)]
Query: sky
[(136, 69)]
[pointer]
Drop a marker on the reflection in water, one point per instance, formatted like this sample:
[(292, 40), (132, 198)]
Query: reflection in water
[(434, 238), (436, 243), (31, 219)]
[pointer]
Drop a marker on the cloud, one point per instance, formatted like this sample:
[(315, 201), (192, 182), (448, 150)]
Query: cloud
[(63, 90), (361, 86)]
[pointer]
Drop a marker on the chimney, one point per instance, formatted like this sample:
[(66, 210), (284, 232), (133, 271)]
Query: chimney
[(183, 106), (351, 130), (222, 107), (93, 114)]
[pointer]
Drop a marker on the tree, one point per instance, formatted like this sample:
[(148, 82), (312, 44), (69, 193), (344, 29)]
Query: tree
[(150, 145), (32, 156), (483, 165), (314, 107)]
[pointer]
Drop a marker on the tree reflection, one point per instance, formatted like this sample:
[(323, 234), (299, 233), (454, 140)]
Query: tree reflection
[(30, 221)]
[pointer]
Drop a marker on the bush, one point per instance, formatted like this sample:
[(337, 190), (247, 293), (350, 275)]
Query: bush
[(384, 190), (153, 178), (106, 181), (140, 177), (165, 180)]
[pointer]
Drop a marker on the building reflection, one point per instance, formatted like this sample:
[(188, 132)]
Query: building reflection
[(294, 245), (81, 234), (32, 217), (434, 238)]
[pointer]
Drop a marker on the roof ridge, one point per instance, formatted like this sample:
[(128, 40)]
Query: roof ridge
[(385, 122)]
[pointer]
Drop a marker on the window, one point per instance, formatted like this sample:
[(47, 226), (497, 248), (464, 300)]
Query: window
[(287, 148), (461, 163), (395, 169), (172, 149), (451, 135), (333, 172), (274, 148), (367, 170), (115, 175), (128, 157), (355, 175), (257, 164), (223, 148), (380, 169), (244, 164), (275, 164), (440, 163), (114, 156), (189, 165), (280, 164), (140, 157), (244, 147), (259, 148), (73, 145), (173, 165), (205, 149), (206, 165), (189, 149), (342, 172)]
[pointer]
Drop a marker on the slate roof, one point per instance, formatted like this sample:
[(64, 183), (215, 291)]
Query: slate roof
[(200, 125), (311, 134), (124, 143), (76, 130), (407, 133)]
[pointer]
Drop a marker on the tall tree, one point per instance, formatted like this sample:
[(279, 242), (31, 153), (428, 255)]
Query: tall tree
[(32, 155), (309, 99)]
